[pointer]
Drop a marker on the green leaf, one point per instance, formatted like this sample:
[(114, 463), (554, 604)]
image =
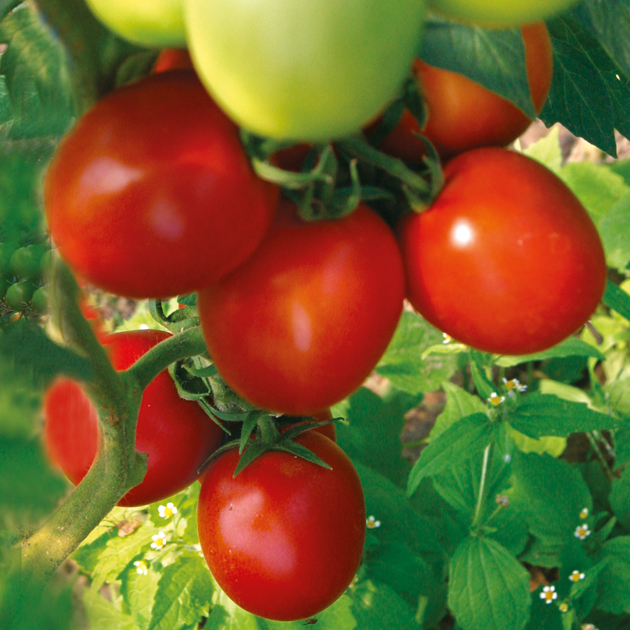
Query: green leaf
[(184, 593), (495, 58), (547, 150), (620, 497), (614, 230), (103, 615), (584, 94), (404, 363), (541, 415), (488, 587), (459, 404), (138, 593), (571, 347), (617, 299), (377, 607), (614, 582), (338, 616), (551, 495), (371, 432), (464, 439)]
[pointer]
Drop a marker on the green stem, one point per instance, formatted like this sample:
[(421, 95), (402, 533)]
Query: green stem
[(598, 453), (482, 484)]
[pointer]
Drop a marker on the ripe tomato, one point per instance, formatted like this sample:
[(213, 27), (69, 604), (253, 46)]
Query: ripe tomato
[(176, 434), (173, 59), (152, 195), (500, 14), (143, 22), (506, 259), (300, 325), (464, 115), (284, 538), (303, 70)]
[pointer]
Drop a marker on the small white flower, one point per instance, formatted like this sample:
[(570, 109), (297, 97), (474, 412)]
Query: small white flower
[(141, 567), (576, 576), (582, 531), (514, 385), (159, 540), (495, 399), (372, 523), (588, 626), (168, 510), (549, 594), (584, 513), (446, 338)]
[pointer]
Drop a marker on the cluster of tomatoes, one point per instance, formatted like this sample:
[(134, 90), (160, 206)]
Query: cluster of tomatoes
[(152, 195)]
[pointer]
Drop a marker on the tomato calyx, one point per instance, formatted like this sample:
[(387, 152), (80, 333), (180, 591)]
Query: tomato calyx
[(268, 438)]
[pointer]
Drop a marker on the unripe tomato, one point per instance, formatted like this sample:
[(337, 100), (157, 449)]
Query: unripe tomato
[(300, 325), (176, 434), (143, 22), (284, 538), (311, 71), (464, 115), (151, 193), (19, 294), (506, 259), (501, 13)]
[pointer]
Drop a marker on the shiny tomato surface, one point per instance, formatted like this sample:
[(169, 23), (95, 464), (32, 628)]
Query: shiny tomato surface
[(300, 325), (176, 434), (506, 259), (151, 193), (284, 538)]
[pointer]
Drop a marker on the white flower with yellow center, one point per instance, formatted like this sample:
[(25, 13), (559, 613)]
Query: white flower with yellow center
[(141, 567), (576, 576), (582, 531), (372, 523), (549, 594), (168, 510), (159, 540)]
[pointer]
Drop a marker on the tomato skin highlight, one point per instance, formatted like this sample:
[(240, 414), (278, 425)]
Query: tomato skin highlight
[(284, 538), (500, 14), (173, 59), (302, 324), (464, 115), (506, 259), (176, 434), (151, 193), (312, 71)]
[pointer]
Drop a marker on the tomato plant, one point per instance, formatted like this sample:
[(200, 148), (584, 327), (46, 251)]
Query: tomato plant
[(464, 115), (301, 324), (151, 193), (283, 538), (304, 71), (491, 13), (506, 259), (176, 434), (143, 22)]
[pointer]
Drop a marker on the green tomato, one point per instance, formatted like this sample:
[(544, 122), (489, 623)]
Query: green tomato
[(40, 300), (18, 295), (500, 13), (144, 22), (298, 70)]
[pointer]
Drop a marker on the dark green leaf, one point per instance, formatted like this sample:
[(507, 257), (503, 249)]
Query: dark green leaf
[(541, 415), (584, 94), (571, 347), (464, 439), (184, 593), (617, 299), (614, 582), (492, 57), (488, 587), (620, 497), (404, 363)]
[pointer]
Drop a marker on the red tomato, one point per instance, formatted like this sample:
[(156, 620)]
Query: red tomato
[(152, 195), (176, 434), (173, 59), (283, 538), (506, 259), (463, 115), (300, 325)]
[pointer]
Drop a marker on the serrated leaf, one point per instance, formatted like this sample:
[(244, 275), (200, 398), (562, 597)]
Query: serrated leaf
[(614, 230), (183, 595), (614, 582), (541, 415), (620, 497), (405, 364), (495, 58), (547, 150), (583, 91), (464, 439), (551, 495), (138, 593), (488, 587), (338, 616), (571, 347)]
